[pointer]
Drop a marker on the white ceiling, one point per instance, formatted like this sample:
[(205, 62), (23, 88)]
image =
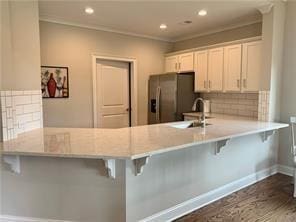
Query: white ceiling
[(143, 18)]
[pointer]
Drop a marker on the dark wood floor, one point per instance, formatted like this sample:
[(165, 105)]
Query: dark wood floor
[(268, 200)]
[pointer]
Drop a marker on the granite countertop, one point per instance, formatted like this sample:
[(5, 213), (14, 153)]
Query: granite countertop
[(130, 143)]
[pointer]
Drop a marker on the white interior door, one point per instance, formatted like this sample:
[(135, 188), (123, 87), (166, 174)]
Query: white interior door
[(112, 94)]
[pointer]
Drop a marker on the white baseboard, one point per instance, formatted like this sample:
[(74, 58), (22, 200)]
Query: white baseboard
[(287, 170), (190, 205), (207, 198), (9, 218)]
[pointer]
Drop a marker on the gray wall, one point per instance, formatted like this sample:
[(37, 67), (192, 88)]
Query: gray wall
[(70, 46), (288, 102), (219, 37)]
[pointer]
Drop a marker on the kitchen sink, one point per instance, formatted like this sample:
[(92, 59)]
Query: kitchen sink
[(185, 125), (197, 124)]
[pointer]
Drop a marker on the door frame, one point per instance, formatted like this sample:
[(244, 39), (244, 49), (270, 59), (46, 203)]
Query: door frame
[(133, 85)]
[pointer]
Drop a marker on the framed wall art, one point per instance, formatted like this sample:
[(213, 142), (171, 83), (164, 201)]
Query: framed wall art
[(54, 82)]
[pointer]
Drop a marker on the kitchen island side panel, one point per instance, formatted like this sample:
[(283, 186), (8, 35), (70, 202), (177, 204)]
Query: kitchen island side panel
[(63, 189), (175, 177)]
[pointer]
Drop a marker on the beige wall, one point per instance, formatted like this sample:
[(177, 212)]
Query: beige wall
[(219, 37), (6, 53), (276, 67), (70, 46), (288, 102), (20, 45)]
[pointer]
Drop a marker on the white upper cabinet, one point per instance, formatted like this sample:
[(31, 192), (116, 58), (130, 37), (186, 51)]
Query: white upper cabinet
[(171, 64), (186, 61), (215, 69), (179, 63), (232, 68), (201, 71), (251, 67)]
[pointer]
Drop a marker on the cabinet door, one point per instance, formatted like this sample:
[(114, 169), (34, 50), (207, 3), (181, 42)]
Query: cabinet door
[(186, 61), (171, 64), (201, 71), (215, 69), (251, 70), (232, 67)]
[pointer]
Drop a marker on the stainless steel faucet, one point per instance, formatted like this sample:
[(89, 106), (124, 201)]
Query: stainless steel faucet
[(194, 108)]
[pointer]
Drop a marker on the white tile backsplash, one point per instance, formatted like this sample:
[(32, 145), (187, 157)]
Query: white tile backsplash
[(21, 112), (263, 106), (240, 104), (255, 105)]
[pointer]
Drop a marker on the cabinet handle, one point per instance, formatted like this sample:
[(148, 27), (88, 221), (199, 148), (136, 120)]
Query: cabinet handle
[(245, 83), (205, 84), (238, 83), (210, 84)]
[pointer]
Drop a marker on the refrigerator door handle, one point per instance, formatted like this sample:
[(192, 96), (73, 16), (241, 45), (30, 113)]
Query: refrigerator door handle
[(158, 104)]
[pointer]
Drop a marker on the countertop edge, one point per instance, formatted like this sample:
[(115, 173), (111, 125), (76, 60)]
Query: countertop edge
[(147, 154)]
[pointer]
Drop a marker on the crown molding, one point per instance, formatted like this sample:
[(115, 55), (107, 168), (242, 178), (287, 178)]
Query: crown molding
[(217, 45), (264, 9), (226, 28), (104, 29), (169, 40)]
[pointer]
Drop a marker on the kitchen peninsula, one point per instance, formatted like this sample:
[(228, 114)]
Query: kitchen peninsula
[(135, 143), (122, 154)]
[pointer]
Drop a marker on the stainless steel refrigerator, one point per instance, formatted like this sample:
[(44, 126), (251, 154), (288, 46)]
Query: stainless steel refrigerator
[(170, 95)]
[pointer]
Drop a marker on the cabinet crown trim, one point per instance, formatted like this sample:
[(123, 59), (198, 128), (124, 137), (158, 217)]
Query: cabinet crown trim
[(223, 44)]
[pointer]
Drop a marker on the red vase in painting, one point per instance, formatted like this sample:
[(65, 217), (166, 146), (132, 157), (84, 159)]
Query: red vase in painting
[(51, 86)]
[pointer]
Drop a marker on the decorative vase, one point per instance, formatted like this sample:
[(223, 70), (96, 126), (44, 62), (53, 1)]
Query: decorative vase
[(51, 86)]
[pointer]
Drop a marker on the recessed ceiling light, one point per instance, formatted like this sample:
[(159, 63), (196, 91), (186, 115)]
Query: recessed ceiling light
[(187, 22), (202, 12), (163, 26), (89, 10)]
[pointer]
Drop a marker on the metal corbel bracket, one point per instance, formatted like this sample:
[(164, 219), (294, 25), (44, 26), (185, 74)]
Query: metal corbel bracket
[(110, 165), (139, 164), (265, 135), (219, 145), (13, 162)]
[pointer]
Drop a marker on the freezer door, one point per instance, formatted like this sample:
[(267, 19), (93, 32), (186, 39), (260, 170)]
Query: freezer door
[(168, 94), (153, 86)]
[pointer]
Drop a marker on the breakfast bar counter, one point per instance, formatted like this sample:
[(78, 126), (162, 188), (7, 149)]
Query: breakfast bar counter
[(141, 170), (134, 143)]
